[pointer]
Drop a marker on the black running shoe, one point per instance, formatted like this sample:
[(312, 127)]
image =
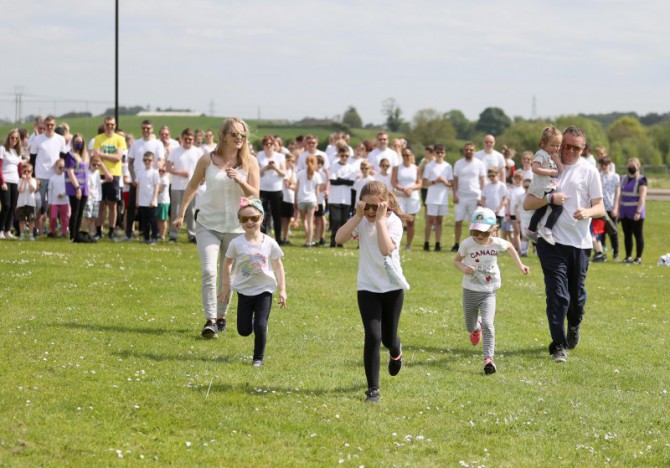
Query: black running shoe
[(221, 325), (210, 330), (372, 395)]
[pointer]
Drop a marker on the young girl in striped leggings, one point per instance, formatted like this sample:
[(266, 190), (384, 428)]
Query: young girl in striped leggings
[(477, 258)]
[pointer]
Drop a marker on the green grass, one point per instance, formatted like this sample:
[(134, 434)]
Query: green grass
[(102, 359)]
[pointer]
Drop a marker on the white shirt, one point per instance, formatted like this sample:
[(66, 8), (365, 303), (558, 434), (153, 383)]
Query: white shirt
[(56, 193), (359, 184), (306, 191), (252, 270), (10, 165), (141, 146), (164, 190), (341, 194), (183, 159), (377, 273), (385, 179), (146, 184), (94, 186), (493, 194), (407, 178), (438, 194), (581, 183), (270, 180), (376, 155), (28, 198), (288, 194), (302, 159), (484, 258), (48, 151), (493, 159), (469, 175)]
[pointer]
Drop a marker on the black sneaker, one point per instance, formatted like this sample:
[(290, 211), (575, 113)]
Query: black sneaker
[(395, 365), (221, 325), (454, 248), (209, 330), (599, 257), (573, 337), (438, 247), (489, 366), (372, 395), (560, 354), (426, 247)]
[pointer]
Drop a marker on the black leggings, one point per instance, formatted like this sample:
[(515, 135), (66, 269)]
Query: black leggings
[(253, 313), (381, 314), (556, 211), (8, 199), (272, 207), (76, 214), (632, 228)]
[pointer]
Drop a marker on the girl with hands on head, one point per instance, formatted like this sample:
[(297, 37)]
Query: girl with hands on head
[(381, 283)]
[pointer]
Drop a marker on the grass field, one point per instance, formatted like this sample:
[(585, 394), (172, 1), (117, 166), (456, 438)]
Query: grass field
[(102, 363)]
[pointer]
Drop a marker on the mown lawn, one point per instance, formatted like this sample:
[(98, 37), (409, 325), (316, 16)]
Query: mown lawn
[(102, 363)]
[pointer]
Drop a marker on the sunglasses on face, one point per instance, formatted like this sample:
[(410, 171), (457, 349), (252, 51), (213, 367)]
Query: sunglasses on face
[(577, 149), (237, 135), (370, 207), (253, 219), (481, 233), (493, 176), (148, 160)]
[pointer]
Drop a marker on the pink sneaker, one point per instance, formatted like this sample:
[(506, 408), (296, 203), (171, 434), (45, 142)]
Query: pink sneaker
[(476, 335)]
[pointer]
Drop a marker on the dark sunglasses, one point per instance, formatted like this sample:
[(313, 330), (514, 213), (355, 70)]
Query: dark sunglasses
[(370, 207), (253, 219), (481, 233)]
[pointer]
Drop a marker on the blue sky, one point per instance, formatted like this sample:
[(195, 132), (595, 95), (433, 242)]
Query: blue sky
[(296, 58)]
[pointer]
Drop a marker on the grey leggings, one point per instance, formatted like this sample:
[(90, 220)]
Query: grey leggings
[(474, 303)]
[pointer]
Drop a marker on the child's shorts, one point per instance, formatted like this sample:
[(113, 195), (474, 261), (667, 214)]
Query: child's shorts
[(25, 213), (163, 211), (302, 206), (91, 209), (287, 209), (433, 209)]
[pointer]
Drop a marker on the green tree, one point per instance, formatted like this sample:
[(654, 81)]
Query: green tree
[(351, 118), (595, 134), (429, 126), (523, 135), (660, 137), (628, 138), (493, 120), (625, 128), (393, 113), (460, 123)]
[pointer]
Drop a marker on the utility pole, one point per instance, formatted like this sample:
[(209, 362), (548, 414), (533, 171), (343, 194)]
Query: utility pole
[(18, 103), (533, 110), (116, 64)]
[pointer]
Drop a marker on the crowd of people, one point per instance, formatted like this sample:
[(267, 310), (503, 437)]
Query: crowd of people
[(560, 201)]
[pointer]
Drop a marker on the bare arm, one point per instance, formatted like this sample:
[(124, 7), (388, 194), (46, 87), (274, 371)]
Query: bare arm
[(224, 294), (386, 244), (278, 267), (537, 168), (465, 269), (252, 186), (597, 210), (192, 189), (515, 255)]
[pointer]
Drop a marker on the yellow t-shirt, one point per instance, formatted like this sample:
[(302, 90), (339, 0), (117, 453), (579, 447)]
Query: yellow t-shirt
[(110, 145)]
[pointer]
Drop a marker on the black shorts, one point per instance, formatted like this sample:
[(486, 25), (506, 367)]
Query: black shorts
[(319, 211), (287, 210), (111, 191)]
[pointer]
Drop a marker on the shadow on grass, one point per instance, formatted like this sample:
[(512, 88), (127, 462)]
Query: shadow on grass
[(432, 356), (249, 389), (93, 327), (173, 357)]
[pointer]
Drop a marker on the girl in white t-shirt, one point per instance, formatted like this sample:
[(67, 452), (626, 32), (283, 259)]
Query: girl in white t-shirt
[(307, 189), (381, 284), (251, 254), (477, 258)]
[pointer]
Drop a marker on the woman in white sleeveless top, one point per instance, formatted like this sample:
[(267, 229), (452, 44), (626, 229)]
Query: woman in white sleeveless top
[(230, 172)]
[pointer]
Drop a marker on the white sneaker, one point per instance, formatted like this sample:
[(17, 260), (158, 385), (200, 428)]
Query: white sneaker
[(547, 235), (2, 235), (9, 235)]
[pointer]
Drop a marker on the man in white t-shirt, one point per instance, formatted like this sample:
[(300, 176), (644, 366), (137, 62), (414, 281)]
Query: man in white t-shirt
[(492, 158), (565, 264), (310, 148), (169, 143), (180, 164), (38, 129), (45, 150), (469, 180), (148, 143), (382, 151)]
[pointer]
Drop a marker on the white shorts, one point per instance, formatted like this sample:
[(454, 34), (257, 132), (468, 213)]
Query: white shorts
[(433, 209), (409, 205), (464, 209)]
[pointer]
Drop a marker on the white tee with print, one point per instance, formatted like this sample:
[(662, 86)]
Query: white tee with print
[(252, 270), (484, 259)]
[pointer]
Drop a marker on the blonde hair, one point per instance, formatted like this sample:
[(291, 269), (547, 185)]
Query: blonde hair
[(311, 164), (547, 133), (244, 156), (379, 189)]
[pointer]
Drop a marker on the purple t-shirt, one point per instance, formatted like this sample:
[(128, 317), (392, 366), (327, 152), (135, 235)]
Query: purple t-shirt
[(80, 173)]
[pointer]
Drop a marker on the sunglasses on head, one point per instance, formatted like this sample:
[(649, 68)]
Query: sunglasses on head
[(253, 219)]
